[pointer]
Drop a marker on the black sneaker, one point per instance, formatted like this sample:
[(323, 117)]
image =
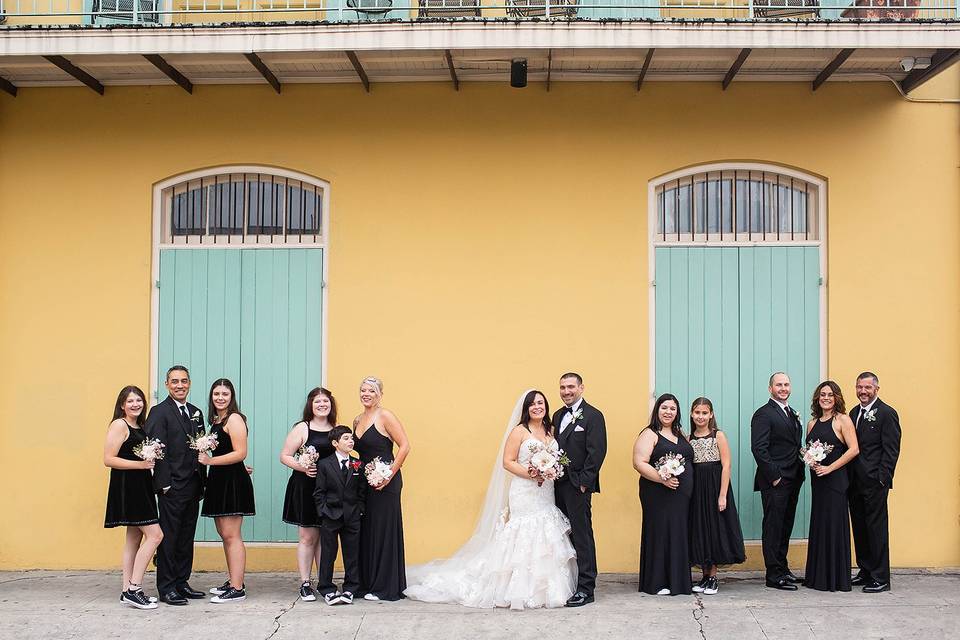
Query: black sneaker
[(222, 589), (346, 598), (150, 598), (698, 588), (307, 594), (137, 599), (712, 586), (232, 595)]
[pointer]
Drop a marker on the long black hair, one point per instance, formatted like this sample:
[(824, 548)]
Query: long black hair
[(122, 398), (711, 424), (232, 408), (525, 414), (677, 427), (308, 407)]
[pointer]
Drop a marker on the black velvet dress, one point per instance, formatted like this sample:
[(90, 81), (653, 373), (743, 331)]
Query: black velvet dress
[(664, 552), (382, 566), (229, 488), (131, 500), (828, 546), (299, 507)]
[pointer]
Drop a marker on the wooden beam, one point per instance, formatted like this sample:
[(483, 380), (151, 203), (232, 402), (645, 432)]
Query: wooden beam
[(359, 69), (833, 66), (940, 61), (169, 71), (78, 74), (549, 67), (8, 86), (453, 72), (645, 68), (264, 70), (735, 67)]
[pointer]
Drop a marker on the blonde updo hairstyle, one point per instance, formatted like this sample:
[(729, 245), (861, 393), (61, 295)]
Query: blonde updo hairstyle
[(374, 382)]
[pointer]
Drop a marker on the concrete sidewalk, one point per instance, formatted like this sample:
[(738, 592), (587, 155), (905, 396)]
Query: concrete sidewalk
[(46, 604)]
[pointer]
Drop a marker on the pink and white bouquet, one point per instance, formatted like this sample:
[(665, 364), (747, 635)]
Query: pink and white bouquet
[(377, 472), (814, 453), (205, 442), (306, 457), (670, 465), (150, 450), (546, 464)]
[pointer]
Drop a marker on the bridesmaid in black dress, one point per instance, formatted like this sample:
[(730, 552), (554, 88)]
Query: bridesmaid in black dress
[(828, 545), (131, 501), (382, 571), (715, 534), (229, 493), (664, 553), (319, 417)]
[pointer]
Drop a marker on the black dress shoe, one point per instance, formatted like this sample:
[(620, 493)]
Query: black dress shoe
[(783, 584), (876, 587), (789, 577), (860, 579), (173, 598), (579, 599), (187, 591)]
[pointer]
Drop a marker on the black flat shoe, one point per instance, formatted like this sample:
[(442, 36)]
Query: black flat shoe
[(876, 587), (173, 598), (789, 577), (579, 599), (860, 580), (783, 584), (187, 591)]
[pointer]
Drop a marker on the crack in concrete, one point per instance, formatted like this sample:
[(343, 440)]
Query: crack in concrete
[(276, 619), (698, 613), (755, 619), (362, 616)]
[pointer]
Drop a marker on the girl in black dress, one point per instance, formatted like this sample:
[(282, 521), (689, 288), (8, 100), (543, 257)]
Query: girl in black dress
[(131, 501), (229, 493), (382, 570), (715, 535), (319, 417), (828, 545), (664, 554)]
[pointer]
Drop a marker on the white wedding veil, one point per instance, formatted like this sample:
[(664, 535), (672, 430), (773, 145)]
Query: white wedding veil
[(493, 514)]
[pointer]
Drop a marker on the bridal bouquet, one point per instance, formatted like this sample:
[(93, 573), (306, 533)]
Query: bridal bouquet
[(151, 450), (670, 465), (306, 456), (814, 453), (545, 464), (377, 472), (204, 442)]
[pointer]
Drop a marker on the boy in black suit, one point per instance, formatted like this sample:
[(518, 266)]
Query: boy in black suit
[(340, 495)]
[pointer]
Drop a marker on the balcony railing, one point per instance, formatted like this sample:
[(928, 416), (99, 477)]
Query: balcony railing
[(159, 13)]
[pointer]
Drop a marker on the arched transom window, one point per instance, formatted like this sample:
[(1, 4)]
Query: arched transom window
[(737, 206)]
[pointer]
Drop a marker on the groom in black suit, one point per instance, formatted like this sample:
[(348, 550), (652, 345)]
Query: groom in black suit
[(775, 437), (871, 479), (582, 433), (179, 479)]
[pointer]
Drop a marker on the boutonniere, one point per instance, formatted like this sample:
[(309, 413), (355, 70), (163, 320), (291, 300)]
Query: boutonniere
[(196, 417), (577, 415), (355, 465), (794, 412), (870, 416)]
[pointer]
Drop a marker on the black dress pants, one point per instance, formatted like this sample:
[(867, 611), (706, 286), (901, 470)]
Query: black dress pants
[(871, 536), (779, 510), (349, 534), (575, 504), (179, 509)]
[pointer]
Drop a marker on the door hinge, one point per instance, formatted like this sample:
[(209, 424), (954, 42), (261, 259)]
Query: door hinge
[(156, 283)]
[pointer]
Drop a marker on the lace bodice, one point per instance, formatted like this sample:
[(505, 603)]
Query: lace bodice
[(705, 449), (526, 497)]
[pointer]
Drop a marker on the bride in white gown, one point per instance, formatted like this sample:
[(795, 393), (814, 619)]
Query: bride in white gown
[(520, 555)]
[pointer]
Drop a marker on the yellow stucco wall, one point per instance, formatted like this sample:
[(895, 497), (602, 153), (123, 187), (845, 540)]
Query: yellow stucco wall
[(460, 224)]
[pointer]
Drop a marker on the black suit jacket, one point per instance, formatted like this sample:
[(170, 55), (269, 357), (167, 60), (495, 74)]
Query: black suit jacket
[(879, 441), (179, 462), (585, 443), (338, 499), (775, 442)]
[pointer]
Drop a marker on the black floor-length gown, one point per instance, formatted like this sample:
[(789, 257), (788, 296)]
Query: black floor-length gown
[(131, 500), (715, 536), (828, 544), (664, 553), (229, 488), (382, 566), (299, 507)]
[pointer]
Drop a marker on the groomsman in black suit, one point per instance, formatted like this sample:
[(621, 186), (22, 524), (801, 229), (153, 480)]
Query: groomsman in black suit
[(871, 479), (582, 433), (179, 479), (340, 494), (775, 437)]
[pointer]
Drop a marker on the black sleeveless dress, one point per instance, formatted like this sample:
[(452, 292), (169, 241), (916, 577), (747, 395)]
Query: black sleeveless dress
[(382, 566), (828, 546), (229, 488), (664, 552), (131, 500), (299, 507), (715, 536)]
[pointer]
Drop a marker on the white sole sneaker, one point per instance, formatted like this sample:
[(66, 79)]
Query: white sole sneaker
[(663, 592), (219, 600), (372, 597), (137, 605), (697, 589)]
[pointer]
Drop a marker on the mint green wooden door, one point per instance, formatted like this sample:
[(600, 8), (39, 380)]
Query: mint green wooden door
[(254, 316), (726, 318)]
